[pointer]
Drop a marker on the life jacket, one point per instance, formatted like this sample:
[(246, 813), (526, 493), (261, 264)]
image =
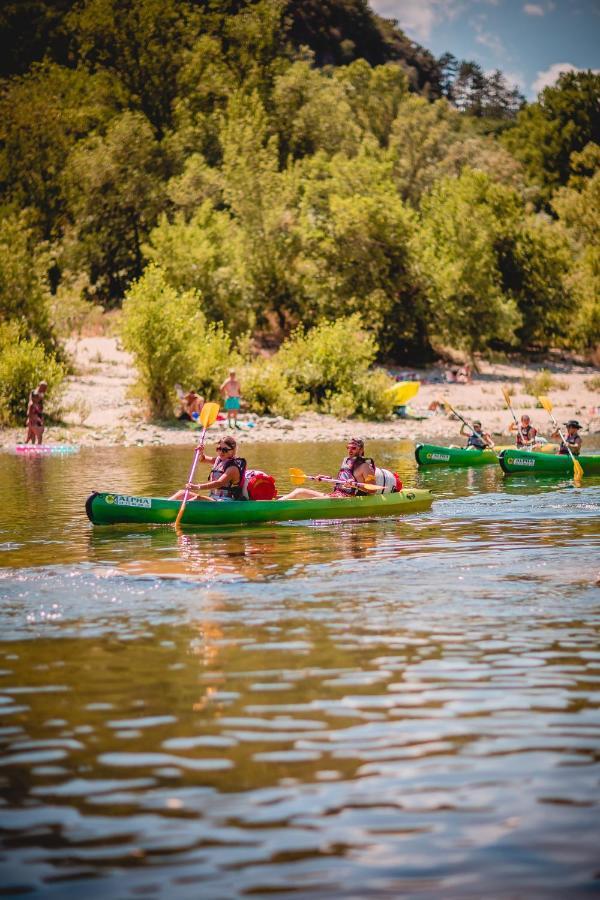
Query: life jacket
[(257, 485), (571, 440), (346, 473), (525, 435), (390, 481), (475, 440), (232, 491)]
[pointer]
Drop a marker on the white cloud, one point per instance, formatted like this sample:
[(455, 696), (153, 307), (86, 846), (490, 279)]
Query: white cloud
[(491, 41), (417, 17), (550, 75), (534, 9)]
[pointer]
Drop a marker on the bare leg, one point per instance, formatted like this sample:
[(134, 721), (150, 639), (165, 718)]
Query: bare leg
[(304, 494)]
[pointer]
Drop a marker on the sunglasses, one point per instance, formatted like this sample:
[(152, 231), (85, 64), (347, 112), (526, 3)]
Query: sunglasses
[(223, 449)]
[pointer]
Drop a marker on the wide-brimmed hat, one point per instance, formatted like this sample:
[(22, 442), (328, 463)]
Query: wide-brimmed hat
[(573, 423)]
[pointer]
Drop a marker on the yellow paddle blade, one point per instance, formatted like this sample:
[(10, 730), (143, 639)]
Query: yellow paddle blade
[(545, 401), (297, 479), (577, 470), (399, 394), (506, 397), (208, 414)]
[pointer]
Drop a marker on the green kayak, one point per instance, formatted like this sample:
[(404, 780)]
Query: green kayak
[(546, 463), (432, 455), (112, 509)]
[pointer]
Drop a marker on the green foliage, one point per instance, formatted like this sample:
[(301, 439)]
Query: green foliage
[(24, 362), (162, 329), (543, 382), (24, 288), (267, 389), (213, 357)]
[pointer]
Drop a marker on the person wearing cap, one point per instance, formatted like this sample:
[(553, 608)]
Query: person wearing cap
[(478, 439), (35, 414), (355, 467), (572, 438), (231, 390), (225, 478)]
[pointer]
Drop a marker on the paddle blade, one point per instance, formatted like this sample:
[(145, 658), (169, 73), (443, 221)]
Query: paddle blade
[(545, 402), (208, 414), (506, 397), (297, 476), (577, 470)]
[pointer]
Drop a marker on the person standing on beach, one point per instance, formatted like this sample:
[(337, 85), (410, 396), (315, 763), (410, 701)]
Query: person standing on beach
[(231, 390), (35, 414)]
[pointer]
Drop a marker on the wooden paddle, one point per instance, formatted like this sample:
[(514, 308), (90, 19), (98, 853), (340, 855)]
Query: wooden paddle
[(297, 476), (208, 415), (577, 468), (509, 404)]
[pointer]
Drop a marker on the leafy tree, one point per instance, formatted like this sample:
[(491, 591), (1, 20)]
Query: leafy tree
[(547, 133), (374, 96), (114, 194), (24, 362)]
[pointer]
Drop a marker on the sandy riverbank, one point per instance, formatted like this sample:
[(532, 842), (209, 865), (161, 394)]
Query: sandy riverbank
[(100, 411)]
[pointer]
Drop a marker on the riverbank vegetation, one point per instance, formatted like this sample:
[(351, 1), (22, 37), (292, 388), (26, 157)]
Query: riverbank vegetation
[(236, 173)]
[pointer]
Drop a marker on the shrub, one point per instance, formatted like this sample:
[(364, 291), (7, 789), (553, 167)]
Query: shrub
[(24, 362), (267, 389), (543, 382), (213, 356), (161, 328), (593, 383)]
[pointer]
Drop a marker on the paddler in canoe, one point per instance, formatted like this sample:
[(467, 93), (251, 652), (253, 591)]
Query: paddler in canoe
[(478, 439), (226, 475), (526, 433), (355, 467), (572, 438)]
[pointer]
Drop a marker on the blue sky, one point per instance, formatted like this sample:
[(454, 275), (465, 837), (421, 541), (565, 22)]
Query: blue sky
[(531, 42)]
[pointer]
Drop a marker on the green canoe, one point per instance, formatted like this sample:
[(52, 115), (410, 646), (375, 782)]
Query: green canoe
[(432, 455), (112, 509), (546, 463)]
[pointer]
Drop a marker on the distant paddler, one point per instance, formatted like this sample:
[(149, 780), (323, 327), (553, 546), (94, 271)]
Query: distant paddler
[(478, 439), (571, 440), (526, 434)]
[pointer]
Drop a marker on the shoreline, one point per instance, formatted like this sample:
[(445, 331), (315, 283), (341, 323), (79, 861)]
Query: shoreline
[(100, 413)]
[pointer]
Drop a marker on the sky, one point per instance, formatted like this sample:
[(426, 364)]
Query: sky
[(530, 42)]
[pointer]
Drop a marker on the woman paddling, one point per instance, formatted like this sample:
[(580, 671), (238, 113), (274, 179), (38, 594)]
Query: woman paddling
[(572, 438), (225, 479), (355, 467)]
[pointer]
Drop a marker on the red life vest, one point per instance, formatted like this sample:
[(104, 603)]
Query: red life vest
[(346, 473), (525, 435), (231, 491)]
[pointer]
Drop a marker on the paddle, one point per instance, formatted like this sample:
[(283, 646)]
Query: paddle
[(208, 415), (577, 468), (297, 476), (509, 404)]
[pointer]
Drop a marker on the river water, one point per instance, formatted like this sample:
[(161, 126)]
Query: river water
[(392, 708)]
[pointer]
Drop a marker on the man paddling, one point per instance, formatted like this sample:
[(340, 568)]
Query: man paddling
[(478, 439), (225, 479), (572, 438), (526, 433), (355, 468)]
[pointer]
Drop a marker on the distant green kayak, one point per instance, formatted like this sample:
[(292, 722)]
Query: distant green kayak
[(115, 508), (461, 457), (546, 463)]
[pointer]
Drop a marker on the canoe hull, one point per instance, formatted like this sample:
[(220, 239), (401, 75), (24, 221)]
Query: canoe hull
[(460, 457), (116, 509), (513, 461)]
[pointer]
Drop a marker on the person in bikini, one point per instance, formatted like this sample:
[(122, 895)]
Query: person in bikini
[(225, 479), (526, 433), (572, 438), (478, 439), (231, 390), (355, 468), (35, 414)]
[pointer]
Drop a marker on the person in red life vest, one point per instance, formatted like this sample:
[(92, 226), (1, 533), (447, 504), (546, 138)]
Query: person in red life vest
[(355, 467), (572, 438), (226, 476), (526, 433)]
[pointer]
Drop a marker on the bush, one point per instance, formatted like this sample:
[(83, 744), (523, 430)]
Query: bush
[(214, 356), (267, 389), (162, 329), (24, 362), (543, 382)]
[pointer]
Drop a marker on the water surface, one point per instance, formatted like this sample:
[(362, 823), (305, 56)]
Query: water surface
[(402, 707)]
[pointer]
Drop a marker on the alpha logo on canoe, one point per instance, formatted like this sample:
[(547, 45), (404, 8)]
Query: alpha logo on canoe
[(519, 461), (122, 500), (443, 456)]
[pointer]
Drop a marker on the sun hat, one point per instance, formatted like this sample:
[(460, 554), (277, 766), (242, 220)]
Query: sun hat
[(573, 423)]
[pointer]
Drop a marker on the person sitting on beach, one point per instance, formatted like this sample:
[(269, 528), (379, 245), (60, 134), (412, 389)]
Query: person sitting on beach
[(225, 479), (191, 405), (35, 414), (478, 438), (572, 438), (526, 433), (355, 467), (232, 392)]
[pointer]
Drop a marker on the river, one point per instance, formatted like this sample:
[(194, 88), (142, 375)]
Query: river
[(388, 708)]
